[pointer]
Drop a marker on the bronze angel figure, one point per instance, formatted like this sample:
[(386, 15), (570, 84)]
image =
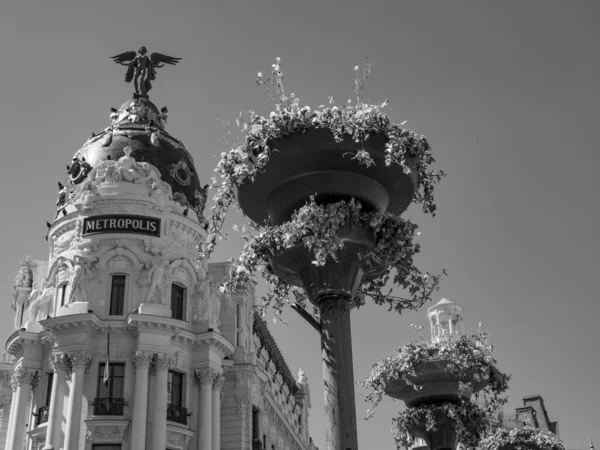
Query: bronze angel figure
[(141, 68)]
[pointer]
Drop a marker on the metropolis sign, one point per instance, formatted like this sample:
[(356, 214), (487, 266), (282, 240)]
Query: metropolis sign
[(121, 224)]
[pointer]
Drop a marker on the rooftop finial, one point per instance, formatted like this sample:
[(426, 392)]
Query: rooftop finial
[(141, 68)]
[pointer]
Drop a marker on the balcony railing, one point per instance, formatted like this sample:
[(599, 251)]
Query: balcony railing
[(42, 415), (177, 413), (109, 406), (257, 444)]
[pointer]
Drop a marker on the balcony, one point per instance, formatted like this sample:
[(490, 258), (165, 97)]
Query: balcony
[(177, 413), (109, 406), (257, 444), (42, 415)]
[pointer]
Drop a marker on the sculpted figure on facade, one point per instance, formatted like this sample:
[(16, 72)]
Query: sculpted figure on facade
[(302, 378), (156, 275), (24, 277), (40, 305), (83, 272), (207, 300)]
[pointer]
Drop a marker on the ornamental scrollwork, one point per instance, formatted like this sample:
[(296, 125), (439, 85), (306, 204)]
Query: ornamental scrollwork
[(181, 172)]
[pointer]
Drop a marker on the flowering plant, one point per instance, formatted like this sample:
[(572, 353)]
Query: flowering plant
[(468, 419), (313, 225), (316, 226), (527, 438), (470, 358)]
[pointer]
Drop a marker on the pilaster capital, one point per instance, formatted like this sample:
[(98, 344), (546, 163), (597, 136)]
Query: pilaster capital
[(142, 359), (162, 361), (205, 375), (24, 376), (80, 359), (218, 382)]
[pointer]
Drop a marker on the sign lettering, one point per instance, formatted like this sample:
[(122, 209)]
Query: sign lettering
[(121, 224)]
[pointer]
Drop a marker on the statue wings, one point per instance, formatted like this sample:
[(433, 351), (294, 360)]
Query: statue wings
[(159, 58), (156, 58), (124, 58)]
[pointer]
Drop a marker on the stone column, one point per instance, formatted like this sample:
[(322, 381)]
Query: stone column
[(54, 428), (216, 411), (159, 427), (11, 418), (79, 361), (204, 380), (140, 401), (23, 381)]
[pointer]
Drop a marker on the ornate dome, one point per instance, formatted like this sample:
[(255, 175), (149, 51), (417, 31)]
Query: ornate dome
[(139, 124)]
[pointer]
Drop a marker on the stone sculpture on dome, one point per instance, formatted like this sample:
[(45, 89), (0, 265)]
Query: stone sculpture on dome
[(127, 170), (141, 68)]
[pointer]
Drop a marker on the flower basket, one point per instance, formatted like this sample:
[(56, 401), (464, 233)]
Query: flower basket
[(311, 162), (527, 438), (434, 383)]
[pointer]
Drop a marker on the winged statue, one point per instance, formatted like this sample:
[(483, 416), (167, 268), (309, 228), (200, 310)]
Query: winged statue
[(141, 68)]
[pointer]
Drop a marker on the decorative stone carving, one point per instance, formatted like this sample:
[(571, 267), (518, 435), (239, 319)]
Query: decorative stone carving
[(24, 277), (218, 382), (128, 170), (142, 359), (207, 301), (84, 271), (181, 172), (24, 376), (79, 360), (176, 439), (302, 378), (58, 361), (156, 275), (162, 361), (205, 375), (242, 405), (40, 303)]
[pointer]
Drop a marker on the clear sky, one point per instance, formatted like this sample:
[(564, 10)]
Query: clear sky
[(507, 93)]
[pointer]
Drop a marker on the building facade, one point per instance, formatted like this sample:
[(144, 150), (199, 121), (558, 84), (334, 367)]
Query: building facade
[(122, 339)]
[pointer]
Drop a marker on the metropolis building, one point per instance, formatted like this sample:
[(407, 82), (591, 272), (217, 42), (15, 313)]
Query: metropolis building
[(122, 341)]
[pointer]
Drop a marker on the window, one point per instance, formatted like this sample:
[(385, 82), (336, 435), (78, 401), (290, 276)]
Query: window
[(175, 388), (255, 423), (117, 295), (49, 388), (109, 399), (62, 293), (177, 302), (43, 411), (176, 412), (106, 447)]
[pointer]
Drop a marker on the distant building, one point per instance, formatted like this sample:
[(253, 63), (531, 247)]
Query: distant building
[(122, 340), (532, 413)]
